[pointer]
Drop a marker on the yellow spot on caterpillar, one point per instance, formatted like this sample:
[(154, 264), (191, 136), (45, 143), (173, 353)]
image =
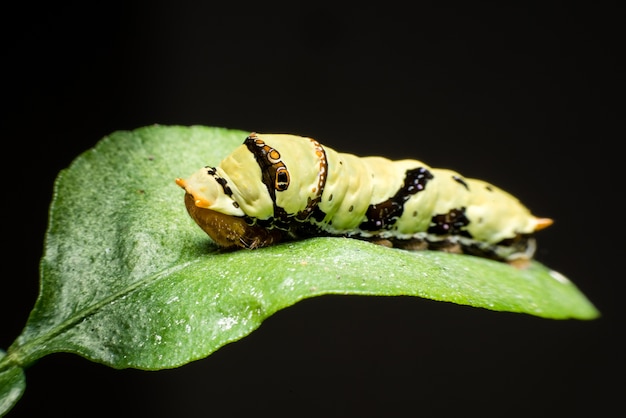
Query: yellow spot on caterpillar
[(543, 223), (202, 203), (274, 155)]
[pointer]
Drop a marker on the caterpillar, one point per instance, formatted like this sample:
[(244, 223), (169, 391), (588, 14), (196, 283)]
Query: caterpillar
[(279, 187)]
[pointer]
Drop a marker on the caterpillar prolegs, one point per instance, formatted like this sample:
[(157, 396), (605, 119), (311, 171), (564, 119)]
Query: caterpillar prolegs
[(277, 187)]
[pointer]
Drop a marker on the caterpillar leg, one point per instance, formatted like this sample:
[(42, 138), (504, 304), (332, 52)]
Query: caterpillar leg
[(384, 242), (519, 253), (519, 263)]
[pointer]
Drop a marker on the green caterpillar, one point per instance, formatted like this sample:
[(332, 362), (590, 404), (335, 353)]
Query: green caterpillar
[(278, 187)]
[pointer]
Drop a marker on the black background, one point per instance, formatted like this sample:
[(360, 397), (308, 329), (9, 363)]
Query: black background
[(522, 96)]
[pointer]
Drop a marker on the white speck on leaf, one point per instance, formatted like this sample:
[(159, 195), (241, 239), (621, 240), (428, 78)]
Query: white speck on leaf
[(559, 277), (226, 323)]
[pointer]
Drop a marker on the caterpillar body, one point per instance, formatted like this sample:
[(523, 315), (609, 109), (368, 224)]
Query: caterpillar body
[(277, 187)]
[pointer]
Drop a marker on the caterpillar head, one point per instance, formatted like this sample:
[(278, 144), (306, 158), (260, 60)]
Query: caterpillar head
[(209, 190), (210, 203)]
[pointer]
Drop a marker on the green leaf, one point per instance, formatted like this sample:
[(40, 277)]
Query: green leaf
[(129, 280)]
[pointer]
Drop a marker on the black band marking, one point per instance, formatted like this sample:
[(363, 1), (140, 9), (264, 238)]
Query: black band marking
[(451, 223), (461, 182), (384, 214)]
